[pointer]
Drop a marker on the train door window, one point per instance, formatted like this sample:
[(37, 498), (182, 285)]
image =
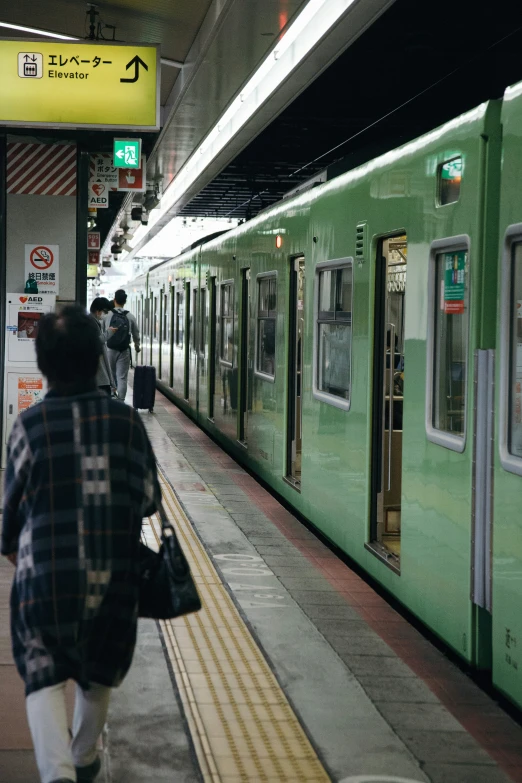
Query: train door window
[(295, 369), (188, 330), (202, 321), (165, 317), (448, 339), (266, 324), (244, 356), (510, 435), (388, 396), (180, 316), (172, 333), (194, 319), (333, 332), (212, 346), (227, 323)]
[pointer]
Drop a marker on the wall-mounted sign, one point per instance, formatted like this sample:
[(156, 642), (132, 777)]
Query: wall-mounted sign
[(127, 153), (93, 257), (98, 195), (93, 240), (79, 85), (42, 264)]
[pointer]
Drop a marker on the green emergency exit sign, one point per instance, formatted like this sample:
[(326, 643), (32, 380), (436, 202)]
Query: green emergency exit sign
[(127, 153)]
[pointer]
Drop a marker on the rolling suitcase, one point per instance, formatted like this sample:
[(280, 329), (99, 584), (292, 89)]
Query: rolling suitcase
[(144, 390)]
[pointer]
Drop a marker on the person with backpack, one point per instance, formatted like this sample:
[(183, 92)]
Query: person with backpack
[(120, 328)]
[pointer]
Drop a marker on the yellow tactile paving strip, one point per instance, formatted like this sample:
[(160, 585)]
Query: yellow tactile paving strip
[(241, 723)]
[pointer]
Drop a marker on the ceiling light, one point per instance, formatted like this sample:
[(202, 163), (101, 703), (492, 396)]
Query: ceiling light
[(171, 63), (35, 30)]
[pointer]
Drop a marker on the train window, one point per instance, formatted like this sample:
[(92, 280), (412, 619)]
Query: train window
[(266, 324), (333, 332), (450, 178), (227, 323), (193, 318), (202, 320), (515, 353), (448, 347), (180, 316)]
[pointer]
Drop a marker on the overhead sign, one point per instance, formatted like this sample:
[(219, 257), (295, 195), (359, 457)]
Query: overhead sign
[(42, 264), (79, 85), (98, 195), (93, 240), (127, 153)]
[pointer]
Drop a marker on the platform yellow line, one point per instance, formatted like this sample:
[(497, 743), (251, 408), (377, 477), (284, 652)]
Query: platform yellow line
[(242, 724)]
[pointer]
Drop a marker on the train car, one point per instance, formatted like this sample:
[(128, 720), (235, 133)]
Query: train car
[(342, 345)]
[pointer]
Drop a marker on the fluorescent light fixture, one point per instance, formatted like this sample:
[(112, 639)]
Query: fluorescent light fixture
[(35, 30), (171, 63), (305, 32)]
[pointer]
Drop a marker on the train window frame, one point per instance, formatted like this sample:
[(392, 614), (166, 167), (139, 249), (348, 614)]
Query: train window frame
[(273, 274), (439, 202), (319, 394), (179, 325), (441, 437), (510, 462), (232, 283)]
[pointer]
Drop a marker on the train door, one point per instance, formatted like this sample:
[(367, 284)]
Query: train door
[(295, 368), (388, 398), (244, 356)]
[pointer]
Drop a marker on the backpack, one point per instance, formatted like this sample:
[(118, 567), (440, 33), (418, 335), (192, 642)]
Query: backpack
[(120, 340)]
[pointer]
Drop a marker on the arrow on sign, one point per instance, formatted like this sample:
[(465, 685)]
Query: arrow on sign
[(120, 153), (136, 61)]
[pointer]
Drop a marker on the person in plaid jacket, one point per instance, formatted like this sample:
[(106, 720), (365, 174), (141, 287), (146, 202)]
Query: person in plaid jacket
[(80, 477)]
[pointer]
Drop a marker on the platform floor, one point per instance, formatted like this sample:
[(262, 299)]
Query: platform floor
[(295, 669)]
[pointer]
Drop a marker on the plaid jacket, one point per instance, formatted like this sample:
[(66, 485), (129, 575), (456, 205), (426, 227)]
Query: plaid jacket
[(80, 477)]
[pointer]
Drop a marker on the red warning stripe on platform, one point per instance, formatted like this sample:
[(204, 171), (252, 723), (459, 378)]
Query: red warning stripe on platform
[(41, 169)]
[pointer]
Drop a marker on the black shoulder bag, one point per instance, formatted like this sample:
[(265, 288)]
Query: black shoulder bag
[(167, 589)]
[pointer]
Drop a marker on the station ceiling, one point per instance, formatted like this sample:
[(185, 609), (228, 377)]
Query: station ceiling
[(173, 25)]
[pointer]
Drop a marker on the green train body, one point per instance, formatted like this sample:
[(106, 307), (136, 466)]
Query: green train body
[(353, 346)]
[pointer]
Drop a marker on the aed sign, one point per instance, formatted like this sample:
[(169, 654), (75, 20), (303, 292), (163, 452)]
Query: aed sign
[(98, 195), (127, 153), (79, 85)]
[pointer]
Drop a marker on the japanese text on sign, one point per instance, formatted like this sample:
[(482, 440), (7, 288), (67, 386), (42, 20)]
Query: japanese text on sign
[(78, 84), (454, 282)]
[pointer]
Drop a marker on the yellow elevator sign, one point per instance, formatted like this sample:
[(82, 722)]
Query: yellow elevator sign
[(79, 85)]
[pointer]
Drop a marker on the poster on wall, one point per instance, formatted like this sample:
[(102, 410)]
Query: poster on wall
[(24, 312), (454, 282), (30, 391), (42, 264)]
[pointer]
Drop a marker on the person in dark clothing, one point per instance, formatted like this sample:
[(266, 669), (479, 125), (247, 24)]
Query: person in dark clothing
[(104, 378), (80, 477)]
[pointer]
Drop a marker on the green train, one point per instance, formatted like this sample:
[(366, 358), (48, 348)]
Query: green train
[(359, 347)]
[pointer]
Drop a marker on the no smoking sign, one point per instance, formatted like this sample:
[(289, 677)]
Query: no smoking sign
[(42, 266), (42, 257)]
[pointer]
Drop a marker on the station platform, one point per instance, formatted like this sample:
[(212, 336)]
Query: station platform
[(295, 670)]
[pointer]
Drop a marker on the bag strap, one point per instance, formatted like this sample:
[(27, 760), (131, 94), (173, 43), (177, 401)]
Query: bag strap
[(165, 523)]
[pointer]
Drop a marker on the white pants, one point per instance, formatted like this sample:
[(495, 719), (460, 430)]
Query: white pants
[(56, 755), (120, 364)]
